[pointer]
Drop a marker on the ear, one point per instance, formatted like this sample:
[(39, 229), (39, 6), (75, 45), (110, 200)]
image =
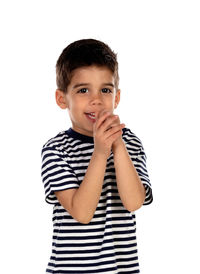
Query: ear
[(61, 99), (117, 98)]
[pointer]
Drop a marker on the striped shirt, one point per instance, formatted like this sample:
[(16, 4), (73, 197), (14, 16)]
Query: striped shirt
[(108, 243)]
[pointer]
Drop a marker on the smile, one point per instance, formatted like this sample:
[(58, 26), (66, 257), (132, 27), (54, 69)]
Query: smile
[(91, 116)]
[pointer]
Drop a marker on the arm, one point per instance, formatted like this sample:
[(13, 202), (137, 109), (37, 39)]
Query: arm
[(130, 187), (81, 204)]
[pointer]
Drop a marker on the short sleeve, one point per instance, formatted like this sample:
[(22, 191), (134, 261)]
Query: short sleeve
[(140, 165), (138, 157), (56, 173)]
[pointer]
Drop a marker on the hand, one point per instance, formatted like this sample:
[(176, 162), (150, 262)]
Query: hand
[(119, 140), (106, 130)]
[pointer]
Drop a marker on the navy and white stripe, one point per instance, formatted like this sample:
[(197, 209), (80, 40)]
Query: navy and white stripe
[(108, 243)]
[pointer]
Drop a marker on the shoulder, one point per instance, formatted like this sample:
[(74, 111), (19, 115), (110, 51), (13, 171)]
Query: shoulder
[(133, 144), (58, 144), (130, 138), (54, 146), (57, 141)]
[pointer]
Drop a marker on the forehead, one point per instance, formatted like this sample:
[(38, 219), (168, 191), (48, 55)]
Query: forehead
[(92, 74)]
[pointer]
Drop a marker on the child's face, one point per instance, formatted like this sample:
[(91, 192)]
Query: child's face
[(91, 90)]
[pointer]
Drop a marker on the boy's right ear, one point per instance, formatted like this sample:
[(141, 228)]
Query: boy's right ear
[(61, 99)]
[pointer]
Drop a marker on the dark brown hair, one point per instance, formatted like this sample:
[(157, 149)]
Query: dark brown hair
[(81, 53)]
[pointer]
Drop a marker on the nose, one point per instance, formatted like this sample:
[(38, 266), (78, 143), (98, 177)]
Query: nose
[(96, 99)]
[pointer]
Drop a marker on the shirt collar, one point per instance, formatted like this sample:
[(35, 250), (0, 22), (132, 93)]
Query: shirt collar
[(76, 135)]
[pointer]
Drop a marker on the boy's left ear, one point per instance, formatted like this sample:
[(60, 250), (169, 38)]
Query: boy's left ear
[(117, 98)]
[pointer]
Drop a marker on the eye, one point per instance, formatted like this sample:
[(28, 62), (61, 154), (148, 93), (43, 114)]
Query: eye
[(83, 90), (106, 90)]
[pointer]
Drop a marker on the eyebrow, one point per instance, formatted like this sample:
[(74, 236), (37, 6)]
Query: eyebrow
[(88, 84), (80, 85)]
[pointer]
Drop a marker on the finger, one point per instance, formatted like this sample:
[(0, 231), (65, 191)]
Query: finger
[(101, 119), (109, 122), (101, 113), (113, 130), (111, 126), (118, 120), (115, 123)]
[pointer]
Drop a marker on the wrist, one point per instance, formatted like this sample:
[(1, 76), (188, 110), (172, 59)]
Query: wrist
[(99, 156), (118, 145)]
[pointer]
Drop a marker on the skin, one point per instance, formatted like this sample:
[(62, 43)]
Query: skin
[(92, 89), (96, 93)]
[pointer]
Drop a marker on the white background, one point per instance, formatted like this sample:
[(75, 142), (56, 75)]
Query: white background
[(158, 47)]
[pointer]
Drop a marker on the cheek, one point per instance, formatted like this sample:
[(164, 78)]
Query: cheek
[(77, 108), (75, 104), (109, 101), (112, 103)]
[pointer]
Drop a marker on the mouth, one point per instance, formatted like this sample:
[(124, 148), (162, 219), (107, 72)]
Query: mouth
[(91, 116)]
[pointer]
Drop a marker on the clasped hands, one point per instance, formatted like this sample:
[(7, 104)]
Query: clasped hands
[(116, 122)]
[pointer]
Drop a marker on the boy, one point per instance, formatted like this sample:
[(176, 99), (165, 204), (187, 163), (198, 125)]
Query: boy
[(94, 173)]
